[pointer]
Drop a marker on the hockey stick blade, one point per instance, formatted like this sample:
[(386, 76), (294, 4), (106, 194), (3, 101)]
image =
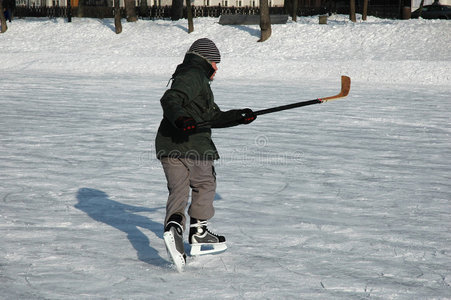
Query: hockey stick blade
[(345, 88)]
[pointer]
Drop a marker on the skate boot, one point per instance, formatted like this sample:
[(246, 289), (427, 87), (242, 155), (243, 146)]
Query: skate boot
[(173, 239), (203, 241)]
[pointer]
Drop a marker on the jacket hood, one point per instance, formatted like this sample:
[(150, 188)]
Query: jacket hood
[(192, 60)]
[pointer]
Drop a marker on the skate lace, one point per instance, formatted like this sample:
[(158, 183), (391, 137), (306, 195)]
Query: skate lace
[(204, 224)]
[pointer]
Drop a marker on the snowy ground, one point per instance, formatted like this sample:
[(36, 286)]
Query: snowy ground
[(345, 200)]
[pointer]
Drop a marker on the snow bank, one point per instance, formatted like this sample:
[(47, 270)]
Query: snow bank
[(375, 51)]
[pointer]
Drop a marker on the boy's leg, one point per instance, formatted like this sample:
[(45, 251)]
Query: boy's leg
[(177, 176), (203, 187)]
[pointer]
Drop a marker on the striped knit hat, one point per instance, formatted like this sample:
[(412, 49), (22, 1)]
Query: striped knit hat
[(205, 48)]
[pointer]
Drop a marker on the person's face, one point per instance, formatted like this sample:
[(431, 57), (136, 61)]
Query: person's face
[(215, 67)]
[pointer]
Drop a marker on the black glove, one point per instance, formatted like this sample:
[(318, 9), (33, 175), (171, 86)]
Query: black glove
[(246, 116), (186, 124)]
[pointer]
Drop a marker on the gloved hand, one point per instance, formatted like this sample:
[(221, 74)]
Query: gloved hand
[(186, 124), (247, 116)]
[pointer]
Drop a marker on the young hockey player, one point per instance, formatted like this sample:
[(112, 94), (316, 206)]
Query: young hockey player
[(186, 150)]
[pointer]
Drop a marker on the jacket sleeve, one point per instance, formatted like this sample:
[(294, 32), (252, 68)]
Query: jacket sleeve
[(181, 93), (172, 104), (224, 119)]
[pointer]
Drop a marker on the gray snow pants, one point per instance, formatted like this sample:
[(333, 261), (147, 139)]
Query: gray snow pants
[(183, 174)]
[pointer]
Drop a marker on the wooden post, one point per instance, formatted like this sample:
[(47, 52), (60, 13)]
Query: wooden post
[(2, 19), (130, 8), (352, 16), (69, 12), (190, 16), (117, 17), (365, 10), (265, 21)]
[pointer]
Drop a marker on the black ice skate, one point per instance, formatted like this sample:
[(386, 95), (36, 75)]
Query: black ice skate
[(203, 241), (173, 239)]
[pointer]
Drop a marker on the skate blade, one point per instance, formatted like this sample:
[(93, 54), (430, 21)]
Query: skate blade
[(175, 256), (204, 249)]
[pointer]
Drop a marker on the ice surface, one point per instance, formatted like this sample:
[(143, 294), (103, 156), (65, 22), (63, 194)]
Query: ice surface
[(344, 200)]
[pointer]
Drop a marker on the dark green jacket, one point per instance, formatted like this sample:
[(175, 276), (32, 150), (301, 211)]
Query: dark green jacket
[(190, 96)]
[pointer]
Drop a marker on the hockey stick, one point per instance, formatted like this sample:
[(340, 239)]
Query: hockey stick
[(345, 88)]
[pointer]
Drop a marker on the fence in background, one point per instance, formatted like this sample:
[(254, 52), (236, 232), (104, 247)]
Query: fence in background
[(164, 12)]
